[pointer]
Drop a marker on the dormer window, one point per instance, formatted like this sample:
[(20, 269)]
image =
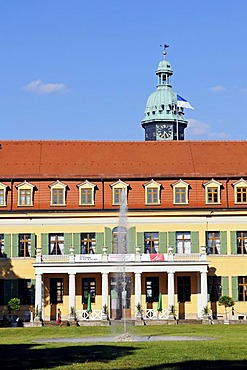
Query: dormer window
[(117, 189), (180, 192), (212, 192), (25, 194), (152, 192), (240, 191), (3, 191), (86, 193), (58, 192)]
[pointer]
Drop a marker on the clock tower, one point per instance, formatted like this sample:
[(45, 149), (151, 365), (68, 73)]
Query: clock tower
[(164, 120)]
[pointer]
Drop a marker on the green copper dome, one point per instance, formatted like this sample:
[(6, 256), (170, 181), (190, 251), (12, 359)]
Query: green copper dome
[(162, 103)]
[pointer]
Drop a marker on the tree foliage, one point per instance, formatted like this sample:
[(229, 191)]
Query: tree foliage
[(14, 304), (226, 301)]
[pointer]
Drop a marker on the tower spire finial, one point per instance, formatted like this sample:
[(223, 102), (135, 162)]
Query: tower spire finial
[(165, 46)]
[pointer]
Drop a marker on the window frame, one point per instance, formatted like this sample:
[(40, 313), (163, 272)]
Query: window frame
[(240, 186), (151, 242), (181, 189), (88, 285), (242, 288), (116, 192), (58, 248), (23, 189), (56, 290), (152, 187), (3, 197), (88, 187), (24, 245), (211, 236), (212, 192), (88, 243), (152, 289), (58, 186), (241, 240), (185, 238)]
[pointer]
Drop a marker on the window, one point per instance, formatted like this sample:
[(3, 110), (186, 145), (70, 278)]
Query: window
[(240, 191), (2, 197), (56, 245), (180, 195), (1, 291), (184, 288), (213, 242), (183, 242), (152, 196), (88, 287), (214, 288), (25, 194), (86, 193), (152, 289), (24, 245), (241, 195), (88, 243), (152, 192), (119, 240), (242, 288), (212, 195), (119, 190), (242, 242), (151, 242), (181, 192), (25, 291), (212, 192), (57, 196), (58, 190), (2, 253), (56, 290), (25, 197)]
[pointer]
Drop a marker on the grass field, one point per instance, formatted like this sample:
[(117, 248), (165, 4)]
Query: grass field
[(227, 350)]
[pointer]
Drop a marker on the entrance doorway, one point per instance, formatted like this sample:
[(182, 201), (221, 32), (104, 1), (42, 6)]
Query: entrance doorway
[(120, 297), (184, 294)]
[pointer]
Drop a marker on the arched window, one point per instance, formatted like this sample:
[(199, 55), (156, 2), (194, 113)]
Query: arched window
[(119, 240)]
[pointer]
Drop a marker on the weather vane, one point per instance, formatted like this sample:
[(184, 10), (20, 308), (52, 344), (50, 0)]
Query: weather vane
[(165, 46)]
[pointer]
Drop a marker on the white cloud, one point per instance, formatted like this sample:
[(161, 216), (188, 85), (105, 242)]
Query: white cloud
[(217, 88), (39, 87), (202, 131)]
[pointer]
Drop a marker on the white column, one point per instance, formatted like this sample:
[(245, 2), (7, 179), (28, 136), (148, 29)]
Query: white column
[(38, 294), (71, 291), (203, 297), (138, 294), (105, 292), (171, 301)]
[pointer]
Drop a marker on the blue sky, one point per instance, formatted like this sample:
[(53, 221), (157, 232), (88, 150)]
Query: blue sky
[(74, 69)]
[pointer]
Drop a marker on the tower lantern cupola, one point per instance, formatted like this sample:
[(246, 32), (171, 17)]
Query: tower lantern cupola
[(164, 120)]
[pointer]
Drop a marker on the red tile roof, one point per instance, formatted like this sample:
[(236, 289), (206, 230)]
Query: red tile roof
[(97, 159)]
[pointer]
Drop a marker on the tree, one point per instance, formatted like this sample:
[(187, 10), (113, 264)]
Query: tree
[(226, 301), (14, 304)]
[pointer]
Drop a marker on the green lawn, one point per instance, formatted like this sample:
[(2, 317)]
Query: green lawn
[(227, 350)]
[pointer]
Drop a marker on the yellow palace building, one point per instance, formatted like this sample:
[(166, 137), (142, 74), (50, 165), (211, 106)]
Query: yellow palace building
[(184, 235)]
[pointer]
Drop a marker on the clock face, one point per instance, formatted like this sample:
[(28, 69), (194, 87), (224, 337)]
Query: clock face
[(164, 132)]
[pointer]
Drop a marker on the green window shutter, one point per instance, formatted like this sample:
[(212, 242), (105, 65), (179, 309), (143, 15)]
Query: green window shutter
[(223, 242), (131, 240), (233, 242), (140, 241), (7, 244), (7, 291), (172, 240), (99, 242), (45, 243), (108, 239), (33, 244), (15, 245), (33, 283), (225, 285), (194, 242), (235, 288), (77, 243), (67, 242), (163, 242)]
